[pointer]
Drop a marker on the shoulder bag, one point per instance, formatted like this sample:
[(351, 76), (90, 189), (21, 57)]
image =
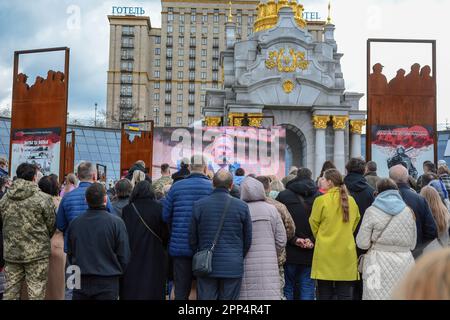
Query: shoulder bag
[(202, 260), (145, 224), (362, 257)]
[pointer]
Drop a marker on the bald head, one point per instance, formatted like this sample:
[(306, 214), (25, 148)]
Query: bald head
[(223, 179), (399, 174)]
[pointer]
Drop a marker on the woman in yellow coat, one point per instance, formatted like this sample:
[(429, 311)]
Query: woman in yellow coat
[(333, 220)]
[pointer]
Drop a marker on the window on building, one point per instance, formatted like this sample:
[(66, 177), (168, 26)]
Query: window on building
[(169, 63), (250, 20), (167, 121), (193, 15), (204, 41), (127, 102), (215, 76), (156, 73), (205, 18), (203, 98), (191, 98), (168, 109), (215, 42), (157, 120), (179, 121), (168, 86), (216, 15), (216, 53), (156, 109), (169, 29), (127, 66), (128, 30), (192, 41), (203, 75), (157, 40), (169, 41), (180, 108), (180, 63), (156, 97), (181, 52), (216, 30), (157, 51), (180, 74), (126, 78), (181, 29), (180, 85), (190, 120), (191, 86), (156, 85), (127, 42), (215, 86), (193, 29), (127, 54), (170, 9), (181, 41), (215, 64), (192, 75), (181, 18), (169, 75), (169, 17), (169, 52), (192, 53), (180, 97), (157, 62), (204, 52), (205, 30), (191, 109), (203, 64), (168, 97), (203, 86), (249, 32), (191, 64)]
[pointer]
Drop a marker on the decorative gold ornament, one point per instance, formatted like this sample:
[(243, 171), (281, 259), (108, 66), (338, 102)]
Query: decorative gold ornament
[(320, 122), (356, 126), (288, 86), (235, 119), (287, 63), (213, 121), (267, 14), (230, 15), (339, 122)]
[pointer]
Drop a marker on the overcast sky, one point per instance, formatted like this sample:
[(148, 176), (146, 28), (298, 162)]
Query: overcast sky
[(83, 26)]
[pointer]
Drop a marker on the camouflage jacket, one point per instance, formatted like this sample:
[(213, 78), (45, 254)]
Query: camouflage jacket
[(159, 184), (28, 217), (289, 224)]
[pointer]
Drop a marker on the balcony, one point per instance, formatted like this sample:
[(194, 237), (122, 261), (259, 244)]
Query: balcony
[(126, 81), (127, 57), (169, 67), (168, 101), (191, 102), (191, 67), (126, 69), (168, 112), (169, 43), (192, 45), (215, 57), (215, 68), (191, 112), (191, 90), (169, 54), (168, 89), (125, 106), (127, 45), (216, 45), (192, 55), (125, 94), (168, 77), (128, 33)]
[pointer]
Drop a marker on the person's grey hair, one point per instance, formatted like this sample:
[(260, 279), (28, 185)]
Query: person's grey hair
[(223, 179), (85, 170), (198, 163), (371, 166), (399, 174)]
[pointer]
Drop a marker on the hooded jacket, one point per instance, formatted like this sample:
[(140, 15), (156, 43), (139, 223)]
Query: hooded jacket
[(361, 191), (389, 230), (261, 280), (139, 168), (28, 217), (299, 198)]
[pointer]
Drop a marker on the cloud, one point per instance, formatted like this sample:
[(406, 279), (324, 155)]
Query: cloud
[(48, 23)]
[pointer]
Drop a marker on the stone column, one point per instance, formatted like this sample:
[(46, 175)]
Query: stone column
[(320, 124), (339, 125), (356, 130)]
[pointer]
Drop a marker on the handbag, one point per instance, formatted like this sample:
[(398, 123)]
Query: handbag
[(202, 260), (362, 257), (145, 224)]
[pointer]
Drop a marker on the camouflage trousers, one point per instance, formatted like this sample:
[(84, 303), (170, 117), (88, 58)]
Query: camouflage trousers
[(34, 274)]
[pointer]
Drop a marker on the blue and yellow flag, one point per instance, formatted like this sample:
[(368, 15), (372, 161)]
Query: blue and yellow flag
[(133, 127)]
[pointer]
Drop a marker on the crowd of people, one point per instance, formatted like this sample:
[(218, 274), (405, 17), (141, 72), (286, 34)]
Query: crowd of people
[(339, 236)]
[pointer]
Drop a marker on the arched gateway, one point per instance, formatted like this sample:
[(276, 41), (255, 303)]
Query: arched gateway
[(289, 69)]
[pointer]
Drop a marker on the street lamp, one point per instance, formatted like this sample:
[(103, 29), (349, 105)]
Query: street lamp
[(95, 120)]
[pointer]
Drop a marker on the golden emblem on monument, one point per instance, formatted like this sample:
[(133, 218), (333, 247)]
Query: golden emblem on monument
[(288, 86), (287, 62)]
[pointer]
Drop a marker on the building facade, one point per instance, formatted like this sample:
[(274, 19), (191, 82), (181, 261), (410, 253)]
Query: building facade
[(163, 73), (292, 75)]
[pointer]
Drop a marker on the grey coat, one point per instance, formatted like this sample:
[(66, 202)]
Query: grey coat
[(261, 280)]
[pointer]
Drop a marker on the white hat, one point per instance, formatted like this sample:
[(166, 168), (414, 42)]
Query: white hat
[(442, 163)]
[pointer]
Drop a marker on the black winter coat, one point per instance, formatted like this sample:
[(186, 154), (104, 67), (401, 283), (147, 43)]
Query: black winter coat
[(300, 210), (181, 174), (147, 270)]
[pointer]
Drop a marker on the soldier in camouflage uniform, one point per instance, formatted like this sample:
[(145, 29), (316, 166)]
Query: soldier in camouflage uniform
[(165, 180), (28, 217)]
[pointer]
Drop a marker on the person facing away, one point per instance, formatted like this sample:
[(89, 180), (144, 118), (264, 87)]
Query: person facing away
[(261, 279), (56, 273), (320, 180), (333, 221), (138, 166), (28, 218), (165, 180), (288, 223), (239, 176), (426, 226), (74, 204), (123, 189), (371, 175), (440, 214), (428, 167), (70, 183), (388, 231), (177, 212), (444, 176), (146, 272), (183, 172), (97, 242), (224, 283), (428, 279), (3, 168), (299, 197)]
